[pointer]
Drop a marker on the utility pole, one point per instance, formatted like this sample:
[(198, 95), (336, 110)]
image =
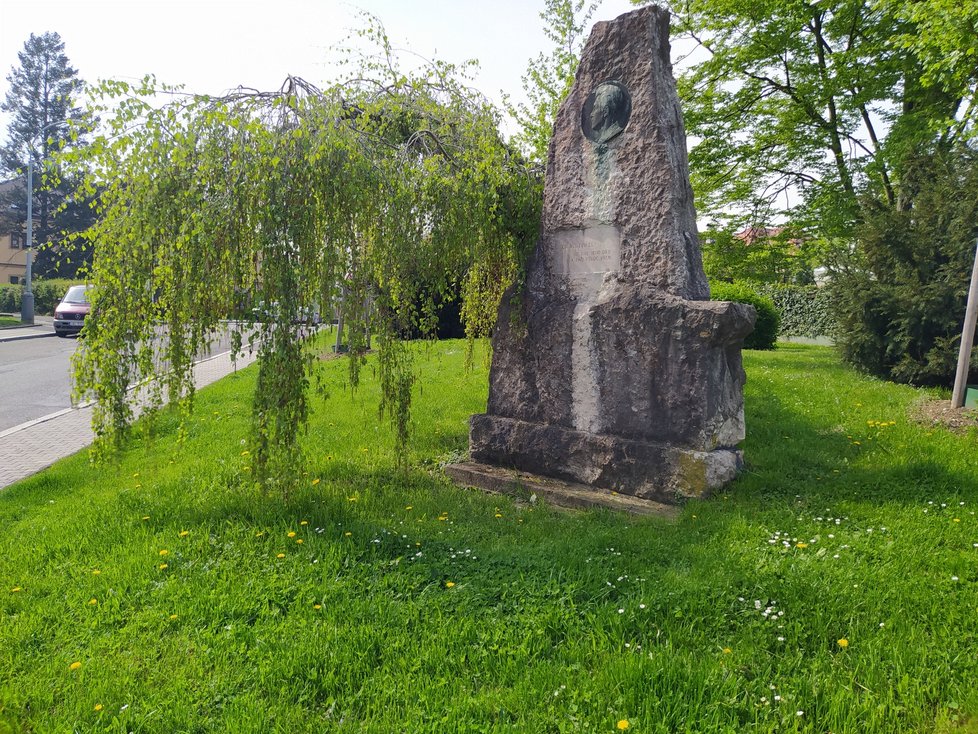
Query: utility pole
[(27, 297), (967, 340)]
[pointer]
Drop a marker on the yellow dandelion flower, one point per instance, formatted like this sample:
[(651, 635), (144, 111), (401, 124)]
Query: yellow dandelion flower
[(299, 541), (145, 517), (259, 533), (280, 555), (75, 665), (164, 552), (315, 481), (409, 507), (93, 601), (623, 724), (98, 707), (957, 519), (317, 606), (136, 475), (184, 533), (173, 616), (246, 453), (801, 545), (164, 566), (347, 534), (291, 533), (498, 515), (449, 584), (95, 572), (304, 522), (351, 499), (15, 590), (727, 651), (843, 642)]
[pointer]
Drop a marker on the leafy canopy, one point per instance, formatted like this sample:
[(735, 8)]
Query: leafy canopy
[(810, 106), (389, 186)]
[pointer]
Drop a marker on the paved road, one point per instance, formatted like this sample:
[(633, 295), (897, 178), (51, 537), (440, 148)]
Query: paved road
[(34, 379), (28, 449)]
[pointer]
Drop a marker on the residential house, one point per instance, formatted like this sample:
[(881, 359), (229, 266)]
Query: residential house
[(13, 252)]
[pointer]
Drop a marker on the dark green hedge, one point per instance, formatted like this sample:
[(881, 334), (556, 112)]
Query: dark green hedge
[(765, 332), (47, 295), (806, 310)]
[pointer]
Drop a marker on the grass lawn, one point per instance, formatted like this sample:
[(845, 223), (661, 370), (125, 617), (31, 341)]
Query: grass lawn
[(832, 588), (9, 321)]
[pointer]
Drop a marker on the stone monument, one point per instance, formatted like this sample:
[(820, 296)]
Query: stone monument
[(613, 369)]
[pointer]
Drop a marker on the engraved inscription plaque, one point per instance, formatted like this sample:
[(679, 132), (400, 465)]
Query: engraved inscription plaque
[(582, 252), (606, 112)]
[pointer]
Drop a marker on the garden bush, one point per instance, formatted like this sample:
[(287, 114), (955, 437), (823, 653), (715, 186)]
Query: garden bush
[(47, 295), (765, 332), (9, 298), (901, 298), (805, 310)]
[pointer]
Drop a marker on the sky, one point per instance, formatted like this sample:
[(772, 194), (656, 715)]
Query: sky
[(212, 46)]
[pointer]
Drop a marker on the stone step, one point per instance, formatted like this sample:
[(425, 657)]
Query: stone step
[(525, 486)]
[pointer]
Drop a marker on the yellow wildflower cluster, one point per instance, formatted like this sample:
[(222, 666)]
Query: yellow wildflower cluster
[(880, 424)]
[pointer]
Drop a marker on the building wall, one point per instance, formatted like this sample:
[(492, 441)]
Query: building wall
[(13, 258)]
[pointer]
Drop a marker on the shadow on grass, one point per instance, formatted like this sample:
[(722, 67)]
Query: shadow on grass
[(817, 429)]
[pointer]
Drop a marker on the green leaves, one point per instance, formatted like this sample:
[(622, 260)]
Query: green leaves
[(549, 77), (363, 200), (804, 107)]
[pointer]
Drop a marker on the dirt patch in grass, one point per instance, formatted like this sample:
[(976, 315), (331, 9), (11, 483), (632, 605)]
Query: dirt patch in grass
[(940, 413)]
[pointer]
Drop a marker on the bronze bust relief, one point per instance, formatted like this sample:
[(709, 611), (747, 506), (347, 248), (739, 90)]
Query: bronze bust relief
[(606, 111)]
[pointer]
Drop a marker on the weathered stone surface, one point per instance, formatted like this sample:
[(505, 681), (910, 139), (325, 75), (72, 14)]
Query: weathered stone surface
[(645, 469), (615, 370), (531, 487)]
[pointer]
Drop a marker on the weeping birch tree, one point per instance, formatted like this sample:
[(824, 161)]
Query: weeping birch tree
[(391, 186)]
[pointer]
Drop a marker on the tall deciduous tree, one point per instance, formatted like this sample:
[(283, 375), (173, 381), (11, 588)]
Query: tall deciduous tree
[(42, 103), (819, 102), (549, 76)]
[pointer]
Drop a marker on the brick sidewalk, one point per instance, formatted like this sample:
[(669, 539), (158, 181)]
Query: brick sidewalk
[(27, 449)]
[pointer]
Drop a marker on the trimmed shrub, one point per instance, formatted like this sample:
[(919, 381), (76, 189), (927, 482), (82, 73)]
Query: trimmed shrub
[(805, 310), (47, 295), (9, 298), (765, 332)]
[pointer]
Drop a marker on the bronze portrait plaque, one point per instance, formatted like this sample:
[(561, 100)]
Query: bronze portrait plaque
[(606, 111)]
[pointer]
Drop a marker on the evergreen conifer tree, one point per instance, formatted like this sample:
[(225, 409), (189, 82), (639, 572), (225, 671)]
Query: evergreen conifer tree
[(41, 102)]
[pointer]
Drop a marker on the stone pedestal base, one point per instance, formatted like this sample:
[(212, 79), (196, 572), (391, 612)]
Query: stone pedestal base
[(641, 469), (530, 488)]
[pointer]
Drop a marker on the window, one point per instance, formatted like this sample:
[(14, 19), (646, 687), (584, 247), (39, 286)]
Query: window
[(14, 280), (15, 241)]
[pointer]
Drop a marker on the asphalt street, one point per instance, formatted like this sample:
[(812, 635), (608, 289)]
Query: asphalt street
[(35, 379)]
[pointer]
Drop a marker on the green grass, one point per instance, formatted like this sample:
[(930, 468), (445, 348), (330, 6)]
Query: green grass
[(412, 606), (8, 321)]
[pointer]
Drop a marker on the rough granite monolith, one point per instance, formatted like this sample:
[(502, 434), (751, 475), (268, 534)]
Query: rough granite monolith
[(614, 369)]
